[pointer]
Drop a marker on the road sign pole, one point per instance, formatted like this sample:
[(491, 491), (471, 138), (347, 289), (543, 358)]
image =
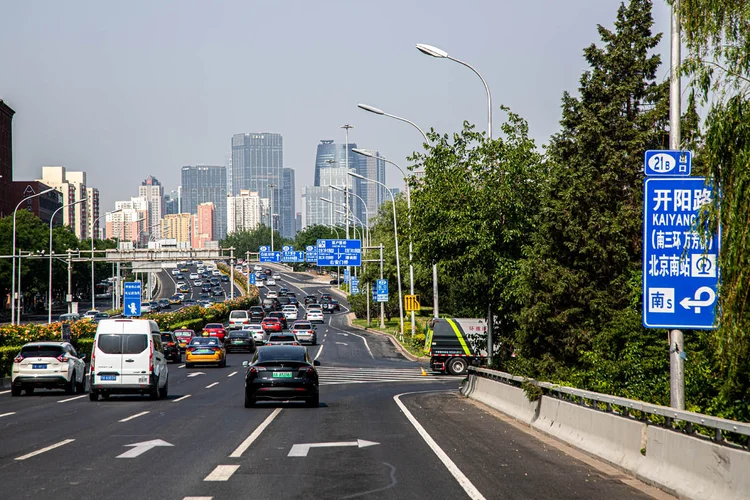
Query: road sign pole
[(676, 370), (382, 304), (231, 273)]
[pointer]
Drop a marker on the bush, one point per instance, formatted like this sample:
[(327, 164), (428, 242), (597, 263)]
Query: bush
[(7, 353), (84, 346)]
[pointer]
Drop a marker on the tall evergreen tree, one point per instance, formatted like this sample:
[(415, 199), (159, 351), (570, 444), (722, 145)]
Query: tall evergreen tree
[(582, 266)]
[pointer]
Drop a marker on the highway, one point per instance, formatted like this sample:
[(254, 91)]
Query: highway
[(382, 430)]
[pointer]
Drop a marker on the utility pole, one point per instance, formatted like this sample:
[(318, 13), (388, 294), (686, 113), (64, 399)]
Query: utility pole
[(69, 297), (231, 273), (676, 340)]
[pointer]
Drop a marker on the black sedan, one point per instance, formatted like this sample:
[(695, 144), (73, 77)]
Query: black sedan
[(171, 347), (240, 340), (281, 373), (225, 278), (164, 304)]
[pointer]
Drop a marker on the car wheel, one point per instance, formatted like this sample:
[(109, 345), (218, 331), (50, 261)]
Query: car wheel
[(164, 392), (93, 395), (314, 401), (249, 403), (457, 366), (81, 386), (15, 391), (70, 387), (154, 393)]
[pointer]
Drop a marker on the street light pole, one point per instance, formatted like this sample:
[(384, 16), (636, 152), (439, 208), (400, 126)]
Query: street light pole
[(367, 211), (13, 273), (346, 194), (93, 286), (395, 237), (51, 219), (270, 212)]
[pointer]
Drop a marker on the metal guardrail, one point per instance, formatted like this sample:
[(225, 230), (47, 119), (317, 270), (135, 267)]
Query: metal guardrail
[(670, 416)]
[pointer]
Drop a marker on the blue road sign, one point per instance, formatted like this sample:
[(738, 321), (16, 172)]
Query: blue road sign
[(132, 298), (252, 278), (346, 276), (339, 252), (355, 286), (680, 275), (311, 254), (288, 254), (266, 255), (667, 163), (381, 294), (374, 292)]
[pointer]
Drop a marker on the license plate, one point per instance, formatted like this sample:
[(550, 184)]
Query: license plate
[(143, 380), (109, 377), (282, 374), (39, 367), (236, 342)]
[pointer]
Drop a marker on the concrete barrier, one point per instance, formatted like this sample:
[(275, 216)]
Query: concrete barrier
[(684, 465)]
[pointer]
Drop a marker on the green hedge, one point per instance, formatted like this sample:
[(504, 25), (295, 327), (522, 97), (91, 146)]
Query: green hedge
[(7, 353), (193, 324)]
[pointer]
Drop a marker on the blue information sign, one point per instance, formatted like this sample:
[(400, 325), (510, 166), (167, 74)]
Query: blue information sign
[(355, 286), (288, 254), (252, 278), (381, 291), (680, 275), (667, 163), (131, 299), (346, 276), (339, 252), (266, 255), (311, 254)]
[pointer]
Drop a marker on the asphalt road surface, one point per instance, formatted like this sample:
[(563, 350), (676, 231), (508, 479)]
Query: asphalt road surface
[(382, 430)]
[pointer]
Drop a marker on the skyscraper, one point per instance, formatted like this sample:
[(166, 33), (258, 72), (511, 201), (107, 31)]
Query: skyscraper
[(373, 194), (92, 205), (178, 227), (288, 227), (202, 184), (6, 158), (203, 224), (243, 211), (152, 190), (332, 155), (171, 203)]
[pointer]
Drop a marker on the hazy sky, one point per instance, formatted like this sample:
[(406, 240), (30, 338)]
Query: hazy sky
[(123, 90)]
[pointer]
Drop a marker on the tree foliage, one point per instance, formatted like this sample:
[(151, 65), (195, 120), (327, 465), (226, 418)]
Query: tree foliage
[(245, 240)]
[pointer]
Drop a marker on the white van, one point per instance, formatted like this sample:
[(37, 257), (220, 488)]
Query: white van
[(127, 358)]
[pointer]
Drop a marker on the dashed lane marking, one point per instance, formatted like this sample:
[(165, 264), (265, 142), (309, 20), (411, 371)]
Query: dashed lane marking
[(4, 392), (211, 385), (43, 450), (222, 473), (181, 366), (72, 399), (7, 414), (181, 398), (232, 374), (131, 417)]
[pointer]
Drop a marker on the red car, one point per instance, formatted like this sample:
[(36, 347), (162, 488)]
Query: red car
[(215, 330), (270, 324), (184, 335)]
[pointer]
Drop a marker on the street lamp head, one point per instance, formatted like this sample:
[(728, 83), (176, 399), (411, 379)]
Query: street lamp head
[(371, 109), (354, 174), (342, 190), (363, 152), (431, 51)]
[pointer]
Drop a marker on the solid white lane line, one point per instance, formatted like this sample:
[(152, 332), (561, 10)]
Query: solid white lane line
[(50, 447), (198, 498), (181, 366), (252, 437), (7, 414), (181, 398), (342, 343), (467, 485), (232, 374), (131, 417), (211, 385), (319, 351), (366, 344), (222, 473), (72, 399), (5, 392)]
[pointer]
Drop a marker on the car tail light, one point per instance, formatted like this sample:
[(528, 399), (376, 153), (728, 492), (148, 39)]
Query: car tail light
[(256, 369), (295, 343), (62, 358), (170, 343), (190, 349), (18, 359), (93, 359), (151, 357)]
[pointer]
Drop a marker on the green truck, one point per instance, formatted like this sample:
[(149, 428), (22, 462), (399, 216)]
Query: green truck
[(455, 343)]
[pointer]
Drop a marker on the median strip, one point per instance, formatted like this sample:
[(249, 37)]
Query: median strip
[(48, 448), (131, 417)]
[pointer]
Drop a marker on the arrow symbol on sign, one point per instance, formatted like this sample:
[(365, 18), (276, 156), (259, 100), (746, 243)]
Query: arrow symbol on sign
[(697, 303), (143, 447), (301, 450), (195, 374)]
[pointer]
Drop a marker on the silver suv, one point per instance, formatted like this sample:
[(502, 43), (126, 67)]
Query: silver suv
[(48, 365), (238, 319)]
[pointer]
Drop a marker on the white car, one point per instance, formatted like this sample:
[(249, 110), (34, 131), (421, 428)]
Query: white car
[(175, 271), (215, 272), (197, 283), (194, 276), (272, 295), (90, 314), (257, 268), (145, 307), (314, 316), (209, 267), (238, 319), (270, 282), (290, 313), (259, 335), (276, 276), (49, 365), (201, 270)]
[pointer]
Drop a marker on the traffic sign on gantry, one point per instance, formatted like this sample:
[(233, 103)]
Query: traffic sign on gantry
[(266, 255), (339, 252), (311, 254), (288, 254), (680, 273)]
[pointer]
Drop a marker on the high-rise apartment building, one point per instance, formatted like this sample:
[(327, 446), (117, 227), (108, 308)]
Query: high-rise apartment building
[(203, 184), (92, 213), (243, 211), (152, 190), (6, 159), (203, 225), (287, 194), (177, 227), (72, 185), (127, 225), (42, 206)]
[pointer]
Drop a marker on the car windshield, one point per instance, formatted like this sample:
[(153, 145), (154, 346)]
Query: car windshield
[(115, 343), (41, 351), (267, 354)]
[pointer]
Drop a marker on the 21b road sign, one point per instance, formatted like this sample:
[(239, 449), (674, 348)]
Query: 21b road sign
[(680, 275)]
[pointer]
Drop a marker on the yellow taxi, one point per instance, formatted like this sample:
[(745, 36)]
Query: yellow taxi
[(175, 300), (205, 350)]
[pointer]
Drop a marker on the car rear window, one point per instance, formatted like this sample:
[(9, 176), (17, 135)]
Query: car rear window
[(184, 334), (41, 351), (205, 341), (272, 354), (239, 334), (282, 338), (238, 314), (302, 326), (166, 338), (114, 343)]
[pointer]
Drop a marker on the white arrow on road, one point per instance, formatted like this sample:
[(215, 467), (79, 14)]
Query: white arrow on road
[(697, 303), (143, 447), (195, 374), (301, 450)]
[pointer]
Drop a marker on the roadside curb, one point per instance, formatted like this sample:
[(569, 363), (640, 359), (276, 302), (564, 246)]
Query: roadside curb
[(395, 342), (5, 383)]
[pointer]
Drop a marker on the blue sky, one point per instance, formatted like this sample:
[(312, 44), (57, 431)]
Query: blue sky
[(124, 90)]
